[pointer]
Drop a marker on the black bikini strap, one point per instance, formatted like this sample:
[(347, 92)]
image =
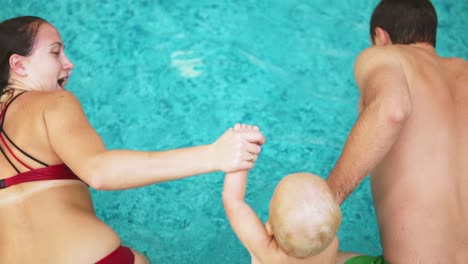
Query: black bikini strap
[(6, 108), (3, 114), (22, 151), (9, 161)]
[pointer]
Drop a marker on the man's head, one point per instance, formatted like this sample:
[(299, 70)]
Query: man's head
[(404, 22), (304, 216)]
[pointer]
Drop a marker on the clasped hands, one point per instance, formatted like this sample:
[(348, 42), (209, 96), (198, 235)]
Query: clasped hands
[(238, 148)]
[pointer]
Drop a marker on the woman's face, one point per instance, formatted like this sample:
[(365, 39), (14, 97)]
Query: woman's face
[(47, 68)]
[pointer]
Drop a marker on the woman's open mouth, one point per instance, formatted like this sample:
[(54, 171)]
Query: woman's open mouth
[(63, 81)]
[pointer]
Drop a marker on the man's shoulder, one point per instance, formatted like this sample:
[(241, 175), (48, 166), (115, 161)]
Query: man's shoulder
[(377, 57), (459, 63), (462, 65), (458, 66), (380, 54)]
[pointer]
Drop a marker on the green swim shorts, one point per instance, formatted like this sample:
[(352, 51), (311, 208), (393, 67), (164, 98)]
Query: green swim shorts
[(367, 260)]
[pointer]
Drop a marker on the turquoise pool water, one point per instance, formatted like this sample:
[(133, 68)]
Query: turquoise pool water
[(154, 75)]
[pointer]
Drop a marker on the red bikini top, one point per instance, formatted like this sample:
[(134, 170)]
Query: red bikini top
[(54, 172)]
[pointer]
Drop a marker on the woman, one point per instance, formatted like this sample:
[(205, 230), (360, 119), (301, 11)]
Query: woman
[(50, 154)]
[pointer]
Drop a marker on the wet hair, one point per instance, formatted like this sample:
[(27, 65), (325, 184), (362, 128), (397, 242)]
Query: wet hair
[(17, 36), (406, 21)]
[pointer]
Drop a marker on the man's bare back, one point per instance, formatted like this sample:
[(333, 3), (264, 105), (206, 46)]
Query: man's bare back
[(420, 188), (412, 137)]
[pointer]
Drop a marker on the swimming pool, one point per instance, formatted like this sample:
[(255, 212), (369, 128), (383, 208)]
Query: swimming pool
[(166, 74)]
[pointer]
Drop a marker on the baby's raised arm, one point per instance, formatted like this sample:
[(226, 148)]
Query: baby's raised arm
[(244, 221)]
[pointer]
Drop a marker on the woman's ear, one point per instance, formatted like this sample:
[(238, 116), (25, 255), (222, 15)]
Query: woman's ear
[(381, 38), (17, 64)]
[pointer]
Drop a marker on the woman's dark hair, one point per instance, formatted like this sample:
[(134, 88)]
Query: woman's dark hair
[(406, 21), (17, 36)]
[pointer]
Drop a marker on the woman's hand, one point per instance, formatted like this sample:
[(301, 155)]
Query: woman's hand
[(238, 148)]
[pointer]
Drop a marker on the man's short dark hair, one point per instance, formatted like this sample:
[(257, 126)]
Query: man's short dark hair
[(406, 21)]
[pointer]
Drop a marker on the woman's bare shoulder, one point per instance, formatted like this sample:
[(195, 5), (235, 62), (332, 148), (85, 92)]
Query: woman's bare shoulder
[(62, 101)]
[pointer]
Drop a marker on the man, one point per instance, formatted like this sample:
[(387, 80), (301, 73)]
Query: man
[(412, 137)]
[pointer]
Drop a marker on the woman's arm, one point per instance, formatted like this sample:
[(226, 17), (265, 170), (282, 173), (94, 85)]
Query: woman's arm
[(81, 148)]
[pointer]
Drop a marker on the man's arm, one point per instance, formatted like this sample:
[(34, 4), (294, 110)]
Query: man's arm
[(245, 223), (385, 106)]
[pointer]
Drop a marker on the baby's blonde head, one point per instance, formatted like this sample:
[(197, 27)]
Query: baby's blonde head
[(304, 216)]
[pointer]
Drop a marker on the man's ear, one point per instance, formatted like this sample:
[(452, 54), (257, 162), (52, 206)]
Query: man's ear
[(17, 64), (381, 38)]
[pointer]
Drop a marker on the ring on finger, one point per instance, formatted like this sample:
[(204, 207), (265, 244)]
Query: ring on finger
[(251, 158)]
